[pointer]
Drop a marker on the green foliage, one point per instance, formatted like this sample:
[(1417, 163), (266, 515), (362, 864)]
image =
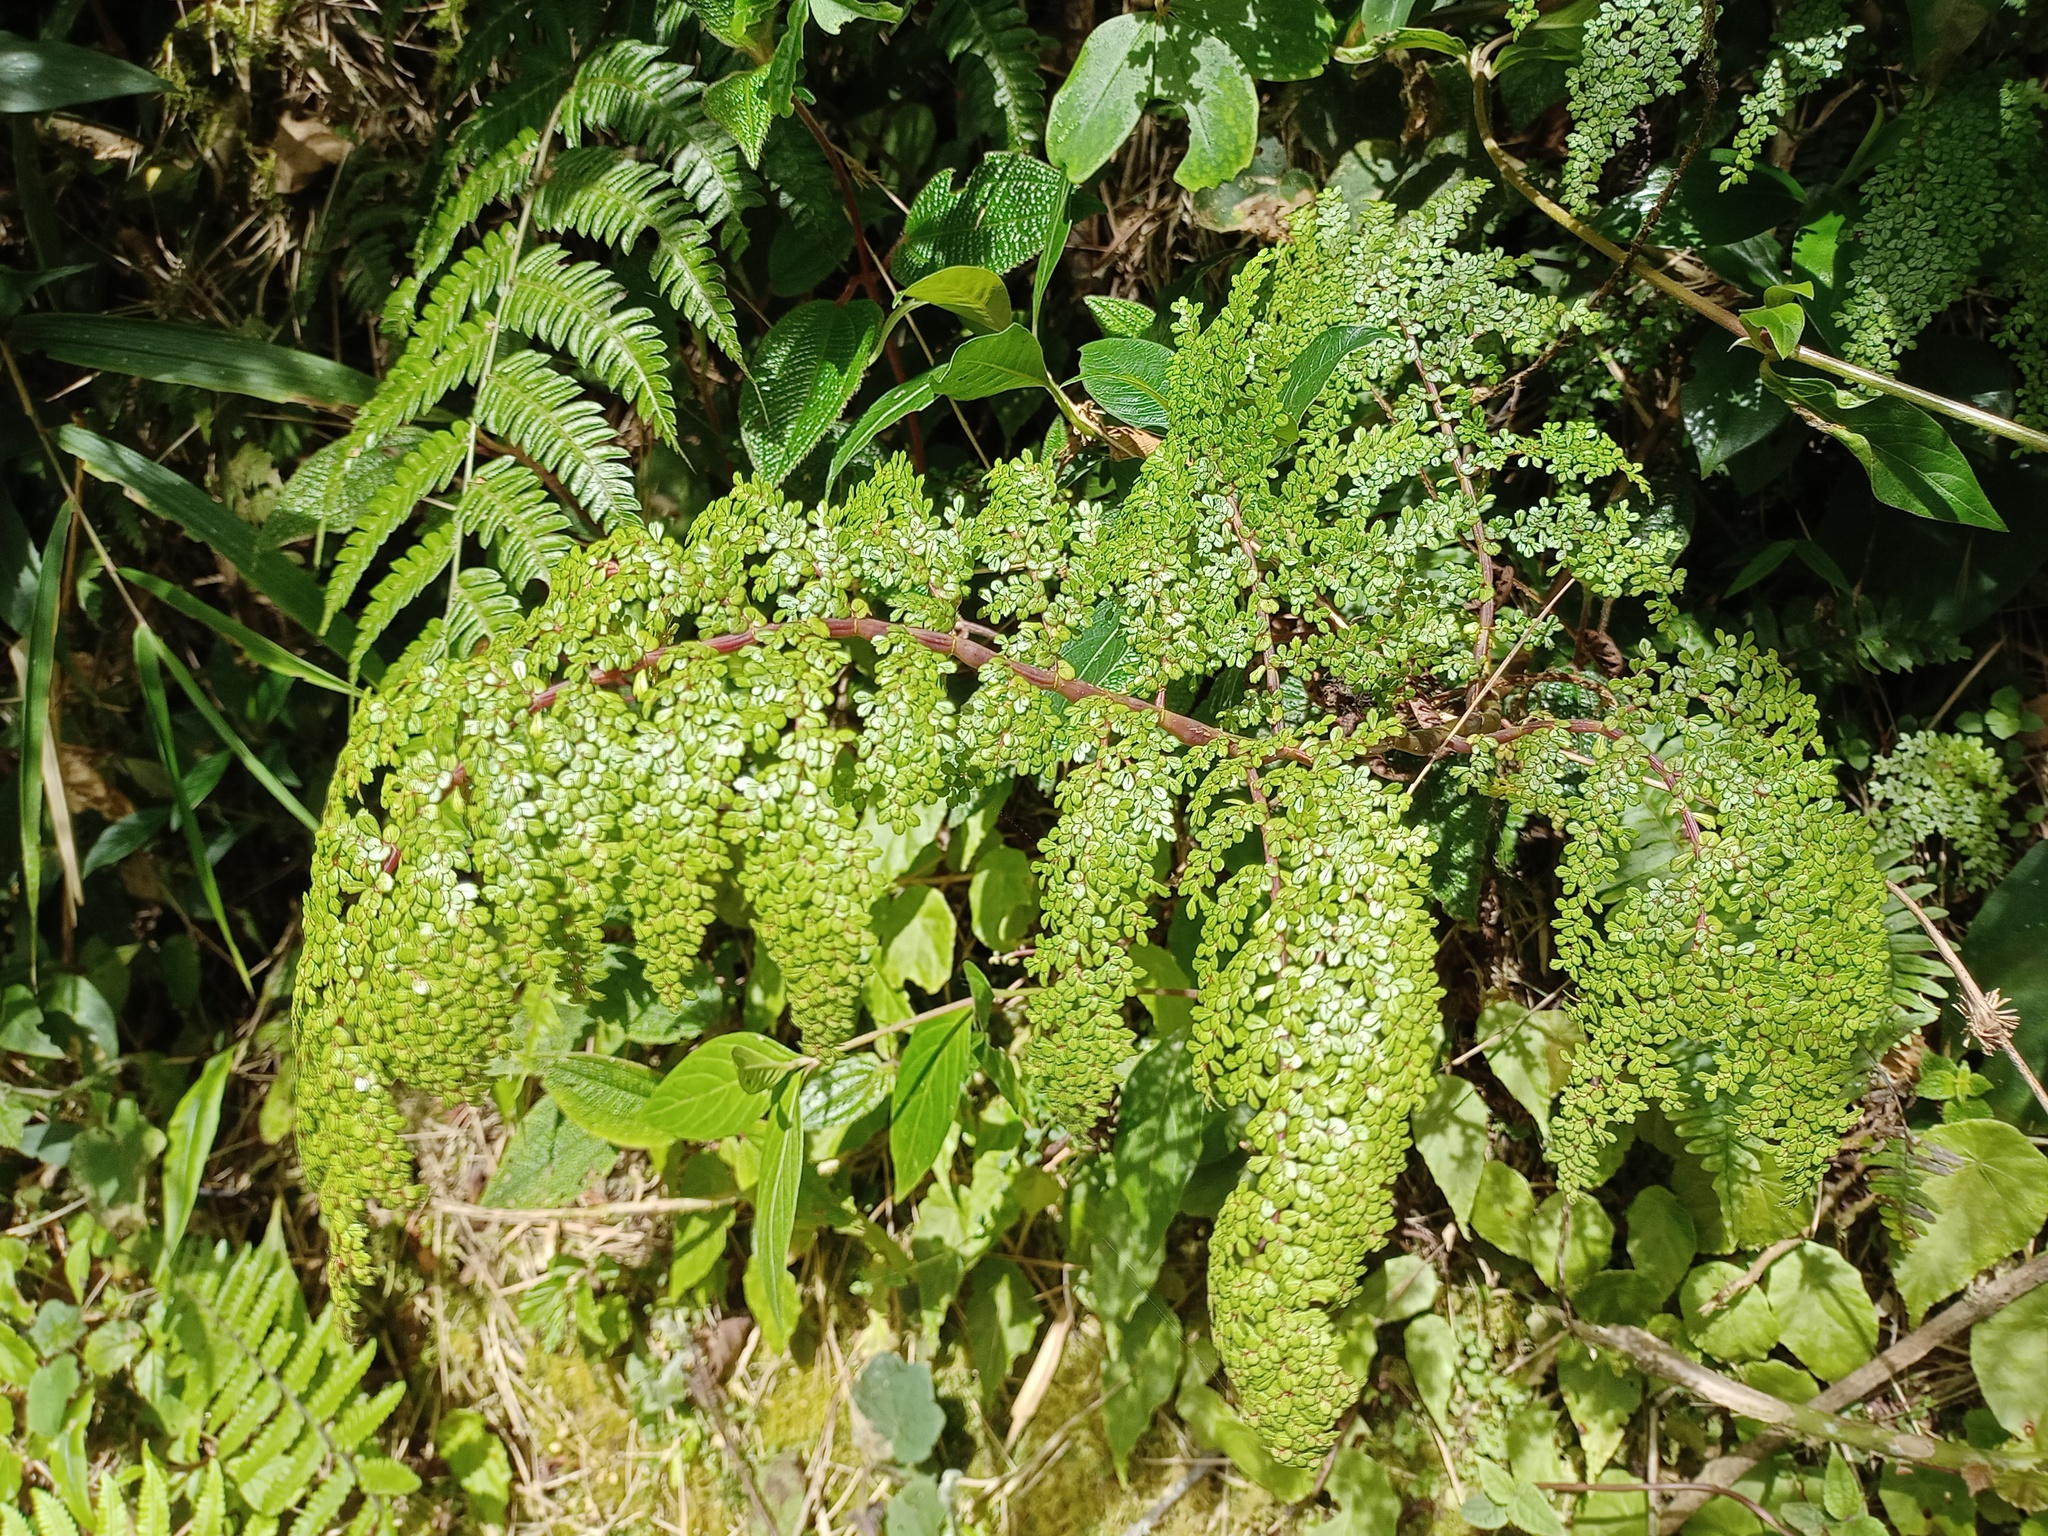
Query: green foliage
[(1936, 785), (1633, 52)]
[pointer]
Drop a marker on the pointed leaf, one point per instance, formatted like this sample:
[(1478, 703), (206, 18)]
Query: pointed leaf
[(190, 1132), (992, 365), (805, 370), (1127, 378), (928, 1083), (782, 1167), (192, 354), (1103, 96)]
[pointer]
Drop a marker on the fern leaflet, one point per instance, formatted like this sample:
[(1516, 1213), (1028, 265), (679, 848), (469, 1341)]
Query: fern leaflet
[(527, 402)]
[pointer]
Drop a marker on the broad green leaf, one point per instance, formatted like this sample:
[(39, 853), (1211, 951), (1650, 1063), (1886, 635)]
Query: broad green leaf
[(1201, 74), (548, 1162), (1403, 1287), (1745, 1329), (43, 76), (701, 1099), (479, 1462), (1159, 1140), (775, 1199), (1988, 1195), (1003, 1318), (1530, 1053), (1214, 1423), (150, 485), (260, 649), (917, 936), (1119, 317), (1601, 1394), (1428, 39), (1311, 369), (1104, 95), (1432, 1351), (2007, 948), (778, 85), (149, 654), (1002, 898), (1277, 39), (1828, 1320), (17, 1359), (191, 1130), (1000, 218), (896, 1397), (1101, 654), (1571, 1238), (1661, 1241), (193, 354), (1504, 1211), (907, 398), (991, 365), (698, 1240), (1779, 322), (1842, 1493), (1725, 403), (917, 1509), (804, 371), (1450, 1133), (975, 294), (831, 15), (2009, 1353), (605, 1096), (1127, 378), (35, 717), (1139, 1377), (49, 1393), (928, 1083), (1912, 462)]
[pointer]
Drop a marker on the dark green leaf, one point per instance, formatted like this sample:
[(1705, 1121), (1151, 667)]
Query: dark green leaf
[(194, 355), (2007, 948), (928, 1083), (1725, 403), (260, 649), (1139, 1377), (907, 398), (35, 717), (1127, 378), (1277, 39), (1912, 462), (804, 371), (990, 365), (1428, 39), (1003, 1318), (999, 219), (43, 76), (1310, 371)]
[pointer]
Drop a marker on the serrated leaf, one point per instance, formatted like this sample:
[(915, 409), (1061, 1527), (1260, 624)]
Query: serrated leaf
[(701, 1098), (1128, 378), (805, 370), (739, 104), (998, 33), (605, 1096), (548, 1162), (928, 1083), (997, 219), (1119, 317)]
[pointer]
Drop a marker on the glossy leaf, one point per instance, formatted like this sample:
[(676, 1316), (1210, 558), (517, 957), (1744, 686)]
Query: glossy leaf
[(906, 399), (701, 1099), (775, 1196), (975, 294), (1104, 95), (991, 365), (196, 355), (1128, 378), (928, 1083), (998, 219), (37, 76), (1311, 369)]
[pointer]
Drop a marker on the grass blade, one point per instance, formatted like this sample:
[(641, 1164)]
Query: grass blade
[(193, 354), (232, 740), (149, 655), (35, 718), (264, 652)]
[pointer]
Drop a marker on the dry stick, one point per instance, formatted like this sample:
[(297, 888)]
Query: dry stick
[(1148, 1522), (1969, 677), (1763, 1261), (1992, 1018), (674, 1205), (1511, 171), (1652, 1356), (1718, 1474)]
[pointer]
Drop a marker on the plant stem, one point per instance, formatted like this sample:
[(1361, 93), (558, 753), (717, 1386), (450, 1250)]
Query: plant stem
[(1512, 172)]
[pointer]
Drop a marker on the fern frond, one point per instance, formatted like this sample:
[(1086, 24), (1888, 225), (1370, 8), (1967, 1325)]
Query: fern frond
[(527, 402), (599, 193), (408, 577), (420, 474), (419, 379), (629, 89), (482, 609), (318, 1512), (496, 178), (479, 276), (507, 507), (709, 170), (996, 32), (579, 308), (330, 490)]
